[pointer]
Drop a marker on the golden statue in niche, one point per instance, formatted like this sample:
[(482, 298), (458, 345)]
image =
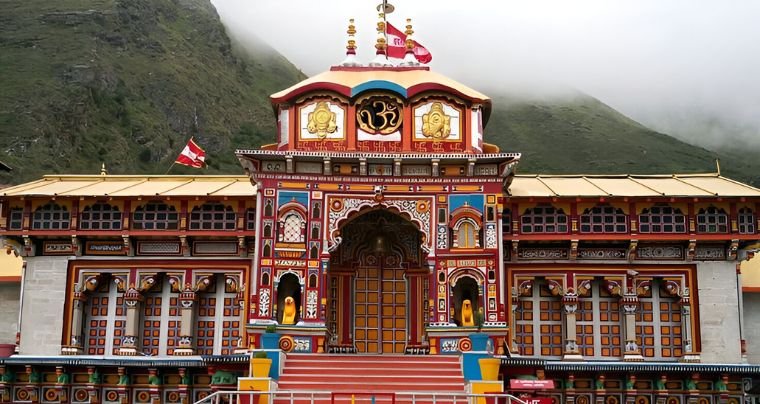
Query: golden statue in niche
[(468, 318), (436, 123), (289, 314), (322, 121)]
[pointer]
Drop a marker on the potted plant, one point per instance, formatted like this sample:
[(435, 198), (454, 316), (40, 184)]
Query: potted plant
[(270, 339), (479, 340), (260, 364)]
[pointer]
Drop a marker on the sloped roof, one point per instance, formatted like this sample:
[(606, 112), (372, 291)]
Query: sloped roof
[(131, 185), (676, 185)]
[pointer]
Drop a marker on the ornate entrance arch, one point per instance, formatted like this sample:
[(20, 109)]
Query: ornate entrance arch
[(376, 284)]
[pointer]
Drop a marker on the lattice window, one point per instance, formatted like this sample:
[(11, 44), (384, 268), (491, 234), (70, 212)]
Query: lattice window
[(543, 219), (250, 219), (662, 219), (604, 219), (712, 220), (658, 324), (230, 324), (51, 216), (598, 328), (213, 216), (746, 221), (292, 228), (161, 320), (155, 216), (105, 320), (16, 219), (538, 323), (206, 322), (100, 216)]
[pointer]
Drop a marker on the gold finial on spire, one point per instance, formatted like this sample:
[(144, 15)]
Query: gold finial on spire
[(351, 41), (717, 166), (409, 32), (103, 170), (381, 41)]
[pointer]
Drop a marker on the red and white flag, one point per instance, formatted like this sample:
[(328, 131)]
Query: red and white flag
[(397, 45), (192, 155)]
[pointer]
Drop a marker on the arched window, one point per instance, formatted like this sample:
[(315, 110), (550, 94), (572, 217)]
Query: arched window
[(250, 219), (292, 228), (267, 229), (543, 219), (155, 216), (51, 216), (267, 251), (712, 220), (746, 221), (662, 219), (312, 281), (466, 236), (213, 216), (268, 209), (314, 252), (317, 211), (16, 219), (100, 216), (603, 219), (315, 231)]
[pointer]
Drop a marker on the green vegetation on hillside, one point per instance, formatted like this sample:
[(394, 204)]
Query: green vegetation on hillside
[(127, 82), (580, 135)]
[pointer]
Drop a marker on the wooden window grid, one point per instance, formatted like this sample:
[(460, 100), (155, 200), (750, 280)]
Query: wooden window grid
[(100, 216), (604, 219), (250, 219), (712, 220), (599, 327), (544, 219), (662, 219), (539, 323), (746, 221), (51, 216), (213, 216), (155, 216), (16, 219), (659, 332)]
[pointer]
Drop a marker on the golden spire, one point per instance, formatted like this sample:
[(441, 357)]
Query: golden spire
[(409, 58), (103, 170), (381, 42), (409, 40), (351, 41)]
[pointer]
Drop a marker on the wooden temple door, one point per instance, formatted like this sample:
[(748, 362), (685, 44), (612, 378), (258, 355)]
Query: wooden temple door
[(380, 310), (375, 298)]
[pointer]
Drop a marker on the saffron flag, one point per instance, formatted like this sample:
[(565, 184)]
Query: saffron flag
[(192, 155), (397, 45)]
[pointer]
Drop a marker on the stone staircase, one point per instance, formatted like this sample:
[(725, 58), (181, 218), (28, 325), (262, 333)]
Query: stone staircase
[(371, 378)]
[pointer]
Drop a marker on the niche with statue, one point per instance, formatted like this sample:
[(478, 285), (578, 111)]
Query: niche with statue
[(466, 301), (288, 299)]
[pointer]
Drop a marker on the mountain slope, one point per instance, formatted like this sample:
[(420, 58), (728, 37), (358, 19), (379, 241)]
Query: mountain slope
[(580, 134), (126, 82)]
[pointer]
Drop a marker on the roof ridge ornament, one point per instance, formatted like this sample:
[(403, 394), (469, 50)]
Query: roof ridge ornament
[(409, 58), (381, 58), (350, 59)]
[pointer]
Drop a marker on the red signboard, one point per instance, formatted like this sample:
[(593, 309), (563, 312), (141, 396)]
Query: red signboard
[(520, 384)]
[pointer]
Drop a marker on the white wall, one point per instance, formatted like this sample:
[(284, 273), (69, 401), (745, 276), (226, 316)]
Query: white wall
[(752, 326), (719, 312), (44, 298)]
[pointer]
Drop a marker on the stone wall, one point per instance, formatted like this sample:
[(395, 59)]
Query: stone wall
[(719, 312), (752, 326), (44, 299), (9, 303)]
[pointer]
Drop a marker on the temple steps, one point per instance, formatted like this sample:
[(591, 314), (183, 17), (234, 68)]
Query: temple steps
[(365, 374)]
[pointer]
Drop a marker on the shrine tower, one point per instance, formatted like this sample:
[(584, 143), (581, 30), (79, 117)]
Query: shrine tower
[(379, 209)]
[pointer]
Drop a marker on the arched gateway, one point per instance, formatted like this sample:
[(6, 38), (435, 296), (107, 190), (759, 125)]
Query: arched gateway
[(375, 294)]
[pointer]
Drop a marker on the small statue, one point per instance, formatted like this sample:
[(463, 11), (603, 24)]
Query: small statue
[(467, 317), (599, 384), (289, 313), (63, 378), (123, 380), (222, 377), (154, 380), (35, 377), (7, 377), (691, 384), (94, 378)]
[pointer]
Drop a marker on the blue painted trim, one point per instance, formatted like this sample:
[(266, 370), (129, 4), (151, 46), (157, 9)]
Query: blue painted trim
[(379, 85)]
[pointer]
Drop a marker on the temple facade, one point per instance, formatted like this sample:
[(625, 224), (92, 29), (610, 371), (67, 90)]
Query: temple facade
[(380, 222)]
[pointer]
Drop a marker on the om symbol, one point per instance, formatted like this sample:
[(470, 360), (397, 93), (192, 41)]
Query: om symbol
[(379, 116)]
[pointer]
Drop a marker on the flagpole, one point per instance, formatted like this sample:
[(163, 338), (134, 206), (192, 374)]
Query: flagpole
[(170, 168)]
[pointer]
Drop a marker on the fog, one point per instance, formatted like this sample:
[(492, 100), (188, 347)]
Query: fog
[(688, 68)]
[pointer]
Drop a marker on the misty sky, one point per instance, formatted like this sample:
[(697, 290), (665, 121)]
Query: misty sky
[(689, 68)]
